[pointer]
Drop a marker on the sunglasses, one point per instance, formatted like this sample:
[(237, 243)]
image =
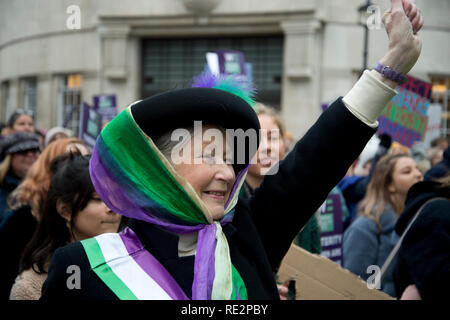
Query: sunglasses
[(23, 111)]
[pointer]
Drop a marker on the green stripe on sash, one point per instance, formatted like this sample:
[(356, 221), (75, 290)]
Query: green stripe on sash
[(239, 285), (104, 271)]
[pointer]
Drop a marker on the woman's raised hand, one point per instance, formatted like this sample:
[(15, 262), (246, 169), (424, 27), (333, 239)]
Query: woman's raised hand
[(402, 21)]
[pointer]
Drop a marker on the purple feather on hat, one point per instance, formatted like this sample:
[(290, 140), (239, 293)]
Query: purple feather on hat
[(232, 83)]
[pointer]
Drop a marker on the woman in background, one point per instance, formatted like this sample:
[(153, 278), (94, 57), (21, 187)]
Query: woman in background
[(73, 211), (21, 120), (371, 237), (26, 203), (19, 151), (423, 268)]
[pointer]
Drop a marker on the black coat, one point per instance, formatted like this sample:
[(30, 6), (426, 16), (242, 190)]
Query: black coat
[(263, 227), (424, 256), (16, 230)]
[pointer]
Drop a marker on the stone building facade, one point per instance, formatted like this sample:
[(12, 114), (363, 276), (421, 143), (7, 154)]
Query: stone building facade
[(303, 52)]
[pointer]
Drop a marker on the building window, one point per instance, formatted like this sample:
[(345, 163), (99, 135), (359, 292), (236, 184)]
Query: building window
[(440, 94), (69, 101), (6, 101), (172, 63), (30, 94)]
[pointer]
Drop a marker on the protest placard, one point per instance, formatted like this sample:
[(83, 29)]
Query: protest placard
[(106, 106), (318, 278), (227, 62), (90, 124), (331, 225), (405, 117)]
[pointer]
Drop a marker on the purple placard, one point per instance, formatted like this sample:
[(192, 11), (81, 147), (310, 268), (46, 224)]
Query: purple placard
[(331, 237), (106, 105), (231, 62), (90, 124)]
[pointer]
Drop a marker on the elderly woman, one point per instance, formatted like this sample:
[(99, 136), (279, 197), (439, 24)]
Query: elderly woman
[(189, 237)]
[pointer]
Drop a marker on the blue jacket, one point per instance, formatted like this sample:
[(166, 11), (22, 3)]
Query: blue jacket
[(364, 246)]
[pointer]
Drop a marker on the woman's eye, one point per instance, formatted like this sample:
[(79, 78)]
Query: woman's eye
[(208, 158), (95, 197), (228, 160)]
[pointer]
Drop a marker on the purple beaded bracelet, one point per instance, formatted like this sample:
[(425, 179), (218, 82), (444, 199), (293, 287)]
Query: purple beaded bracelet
[(389, 73)]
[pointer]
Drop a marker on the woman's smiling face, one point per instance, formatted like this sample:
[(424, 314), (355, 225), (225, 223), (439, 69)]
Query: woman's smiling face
[(209, 173)]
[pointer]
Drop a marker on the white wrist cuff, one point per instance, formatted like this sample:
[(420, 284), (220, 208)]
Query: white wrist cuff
[(367, 98)]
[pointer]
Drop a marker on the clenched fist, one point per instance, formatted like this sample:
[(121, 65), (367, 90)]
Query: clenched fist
[(402, 21)]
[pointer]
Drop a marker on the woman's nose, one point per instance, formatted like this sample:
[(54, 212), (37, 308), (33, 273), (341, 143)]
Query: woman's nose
[(107, 209), (226, 172), (419, 174)]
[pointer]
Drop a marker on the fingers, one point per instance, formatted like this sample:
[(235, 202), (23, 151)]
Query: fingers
[(396, 5), (414, 15), (283, 291), (417, 23), (407, 6)]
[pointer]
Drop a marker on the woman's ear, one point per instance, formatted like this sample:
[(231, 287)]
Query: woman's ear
[(63, 210)]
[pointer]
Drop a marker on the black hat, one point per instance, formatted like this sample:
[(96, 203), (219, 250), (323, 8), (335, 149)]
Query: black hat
[(179, 108), (17, 142)]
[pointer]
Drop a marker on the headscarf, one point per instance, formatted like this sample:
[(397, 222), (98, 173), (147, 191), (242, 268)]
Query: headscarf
[(135, 179)]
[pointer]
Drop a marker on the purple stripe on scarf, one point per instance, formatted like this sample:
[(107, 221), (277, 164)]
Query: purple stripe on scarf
[(150, 265), (204, 263), (236, 184)]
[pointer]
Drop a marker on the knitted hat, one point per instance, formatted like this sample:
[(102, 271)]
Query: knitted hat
[(20, 141), (54, 131)]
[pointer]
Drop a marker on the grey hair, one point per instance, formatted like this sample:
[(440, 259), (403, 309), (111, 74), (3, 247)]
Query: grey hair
[(165, 143)]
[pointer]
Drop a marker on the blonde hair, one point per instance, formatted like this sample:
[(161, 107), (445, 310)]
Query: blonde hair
[(445, 180), (261, 109), (5, 165), (33, 189), (377, 193)]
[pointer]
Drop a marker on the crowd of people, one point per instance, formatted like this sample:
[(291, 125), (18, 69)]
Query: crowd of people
[(140, 225)]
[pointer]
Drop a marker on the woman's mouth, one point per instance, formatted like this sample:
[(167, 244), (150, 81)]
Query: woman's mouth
[(217, 195), (267, 162)]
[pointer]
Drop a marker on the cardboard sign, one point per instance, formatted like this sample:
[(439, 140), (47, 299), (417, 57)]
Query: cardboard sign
[(90, 124), (318, 278), (405, 117), (330, 220)]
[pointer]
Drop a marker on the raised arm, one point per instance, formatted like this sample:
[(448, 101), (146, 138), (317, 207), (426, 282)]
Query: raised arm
[(285, 201)]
